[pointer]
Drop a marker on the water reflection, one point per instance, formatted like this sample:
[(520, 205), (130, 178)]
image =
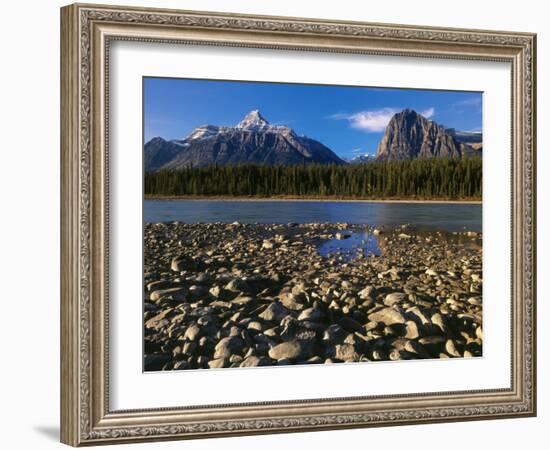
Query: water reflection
[(358, 244)]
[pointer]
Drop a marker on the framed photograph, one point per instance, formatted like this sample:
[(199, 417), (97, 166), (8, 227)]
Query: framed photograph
[(278, 224)]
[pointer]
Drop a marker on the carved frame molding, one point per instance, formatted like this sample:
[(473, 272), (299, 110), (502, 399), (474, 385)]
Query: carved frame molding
[(86, 32)]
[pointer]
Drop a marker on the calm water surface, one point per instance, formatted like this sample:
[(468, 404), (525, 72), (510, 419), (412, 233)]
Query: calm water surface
[(434, 216), (358, 243)]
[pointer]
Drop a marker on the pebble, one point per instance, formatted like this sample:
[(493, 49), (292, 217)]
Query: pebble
[(388, 316), (217, 363), (311, 314), (367, 293), (394, 297), (342, 236), (274, 312), (177, 293), (288, 350), (343, 352), (228, 346), (255, 361), (451, 349)]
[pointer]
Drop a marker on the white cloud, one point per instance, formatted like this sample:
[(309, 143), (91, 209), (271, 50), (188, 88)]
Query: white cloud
[(356, 150), (428, 113), (371, 121), (376, 120)]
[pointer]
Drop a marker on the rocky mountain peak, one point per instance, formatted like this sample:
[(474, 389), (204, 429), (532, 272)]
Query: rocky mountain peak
[(410, 135), (253, 121), (204, 131), (407, 112)]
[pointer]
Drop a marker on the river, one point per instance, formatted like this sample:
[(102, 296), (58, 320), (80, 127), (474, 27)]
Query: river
[(431, 216)]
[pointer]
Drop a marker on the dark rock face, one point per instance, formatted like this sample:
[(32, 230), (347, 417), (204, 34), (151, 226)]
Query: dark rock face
[(409, 135), (252, 141), (159, 152)]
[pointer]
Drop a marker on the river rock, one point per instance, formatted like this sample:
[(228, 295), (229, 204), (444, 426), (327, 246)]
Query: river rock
[(312, 314), (237, 285), (177, 293), (474, 301), (218, 363), (367, 293), (418, 315), (451, 349), (267, 245), (437, 320), (197, 291), (255, 361), (243, 300), (215, 291), (411, 330), (350, 324), (341, 236), (254, 326), (180, 264), (274, 312), (289, 350), (479, 333), (388, 316), (158, 321), (228, 346), (182, 365), (379, 355), (189, 348), (291, 301), (343, 352), (294, 330), (371, 326), (434, 344), (160, 284), (394, 298), (334, 334), (192, 333)]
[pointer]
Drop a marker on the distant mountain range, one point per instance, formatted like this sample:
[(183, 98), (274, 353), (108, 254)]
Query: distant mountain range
[(361, 159), (254, 140)]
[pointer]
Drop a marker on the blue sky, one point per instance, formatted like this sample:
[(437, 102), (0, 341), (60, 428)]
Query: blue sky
[(348, 120)]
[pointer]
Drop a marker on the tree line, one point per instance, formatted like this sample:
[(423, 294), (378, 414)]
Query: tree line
[(435, 178)]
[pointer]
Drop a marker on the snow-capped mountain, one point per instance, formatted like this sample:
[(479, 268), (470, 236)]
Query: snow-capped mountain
[(361, 158), (253, 140), (254, 121), (467, 137)]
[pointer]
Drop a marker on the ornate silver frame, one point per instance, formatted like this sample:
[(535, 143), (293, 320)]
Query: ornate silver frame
[(86, 31)]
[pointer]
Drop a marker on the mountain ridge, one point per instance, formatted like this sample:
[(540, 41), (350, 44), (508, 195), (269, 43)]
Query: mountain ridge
[(408, 135), (252, 141)]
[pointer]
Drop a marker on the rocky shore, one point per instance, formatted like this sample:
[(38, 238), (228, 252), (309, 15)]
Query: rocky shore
[(243, 295)]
